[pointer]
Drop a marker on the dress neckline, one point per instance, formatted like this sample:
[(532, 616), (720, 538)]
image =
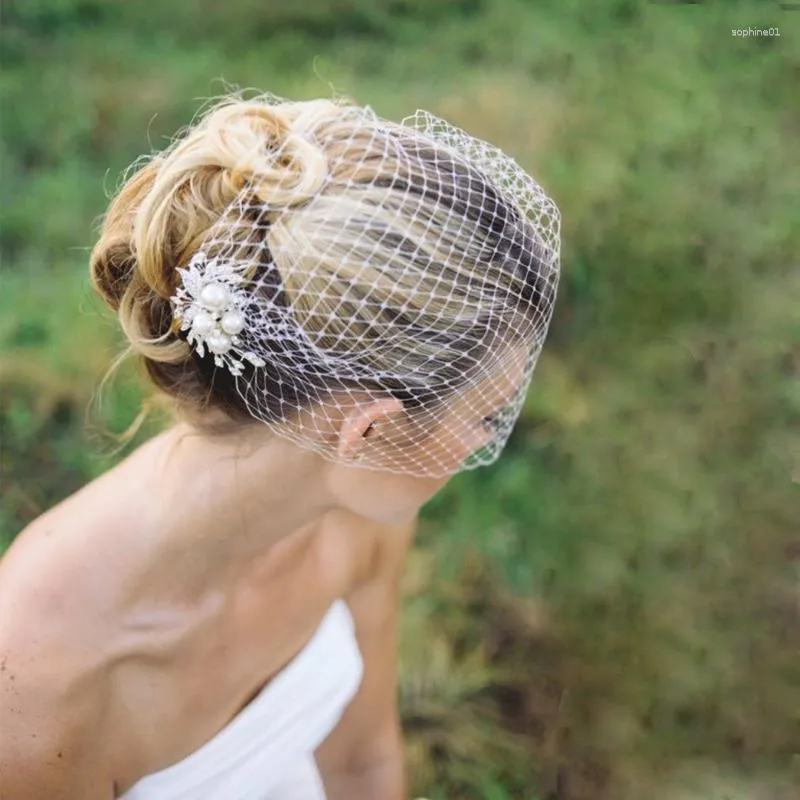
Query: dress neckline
[(250, 722)]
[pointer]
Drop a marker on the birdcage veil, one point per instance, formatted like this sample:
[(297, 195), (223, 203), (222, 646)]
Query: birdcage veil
[(366, 259)]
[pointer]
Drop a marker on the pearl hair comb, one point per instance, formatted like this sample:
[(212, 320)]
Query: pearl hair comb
[(210, 304)]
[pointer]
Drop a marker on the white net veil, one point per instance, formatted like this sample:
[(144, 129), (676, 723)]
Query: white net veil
[(378, 292)]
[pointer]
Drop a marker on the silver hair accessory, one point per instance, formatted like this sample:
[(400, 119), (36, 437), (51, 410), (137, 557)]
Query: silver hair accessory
[(369, 261), (210, 305)]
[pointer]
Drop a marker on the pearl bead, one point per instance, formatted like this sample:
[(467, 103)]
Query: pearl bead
[(215, 296), (203, 323), (218, 342), (232, 323)]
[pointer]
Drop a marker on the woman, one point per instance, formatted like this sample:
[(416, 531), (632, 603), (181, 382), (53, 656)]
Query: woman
[(345, 312)]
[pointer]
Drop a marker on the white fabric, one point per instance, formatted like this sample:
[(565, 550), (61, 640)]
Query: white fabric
[(266, 752)]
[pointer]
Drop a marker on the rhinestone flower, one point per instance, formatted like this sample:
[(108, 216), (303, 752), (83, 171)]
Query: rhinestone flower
[(210, 304)]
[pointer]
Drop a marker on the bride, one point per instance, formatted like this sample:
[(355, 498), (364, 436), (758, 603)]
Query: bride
[(344, 312)]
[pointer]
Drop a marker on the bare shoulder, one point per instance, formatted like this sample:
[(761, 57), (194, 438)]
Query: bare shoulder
[(48, 607), (53, 709), (52, 733), (362, 553), (53, 583), (374, 591), (369, 731), (53, 686), (64, 572)]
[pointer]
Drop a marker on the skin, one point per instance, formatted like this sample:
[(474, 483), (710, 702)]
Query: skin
[(137, 617)]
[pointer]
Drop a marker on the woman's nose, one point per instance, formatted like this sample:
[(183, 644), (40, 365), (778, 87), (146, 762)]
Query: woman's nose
[(477, 440)]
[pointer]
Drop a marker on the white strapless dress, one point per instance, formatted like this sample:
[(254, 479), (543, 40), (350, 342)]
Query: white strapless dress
[(267, 751)]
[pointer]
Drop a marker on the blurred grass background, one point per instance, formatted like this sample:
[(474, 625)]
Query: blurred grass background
[(613, 610)]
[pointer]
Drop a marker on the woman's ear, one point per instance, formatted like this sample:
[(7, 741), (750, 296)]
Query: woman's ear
[(363, 422)]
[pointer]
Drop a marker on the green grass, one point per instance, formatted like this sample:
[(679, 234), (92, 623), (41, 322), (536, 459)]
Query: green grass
[(647, 504)]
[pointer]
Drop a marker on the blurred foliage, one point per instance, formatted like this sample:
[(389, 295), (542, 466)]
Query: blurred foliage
[(636, 634)]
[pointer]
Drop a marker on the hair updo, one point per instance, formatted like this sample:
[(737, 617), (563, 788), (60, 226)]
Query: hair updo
[(339, 212)]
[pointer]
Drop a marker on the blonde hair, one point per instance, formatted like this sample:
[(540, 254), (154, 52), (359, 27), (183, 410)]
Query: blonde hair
[(343, 210)]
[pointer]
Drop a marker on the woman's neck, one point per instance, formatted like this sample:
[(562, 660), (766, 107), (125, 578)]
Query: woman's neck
[(227, 502)]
